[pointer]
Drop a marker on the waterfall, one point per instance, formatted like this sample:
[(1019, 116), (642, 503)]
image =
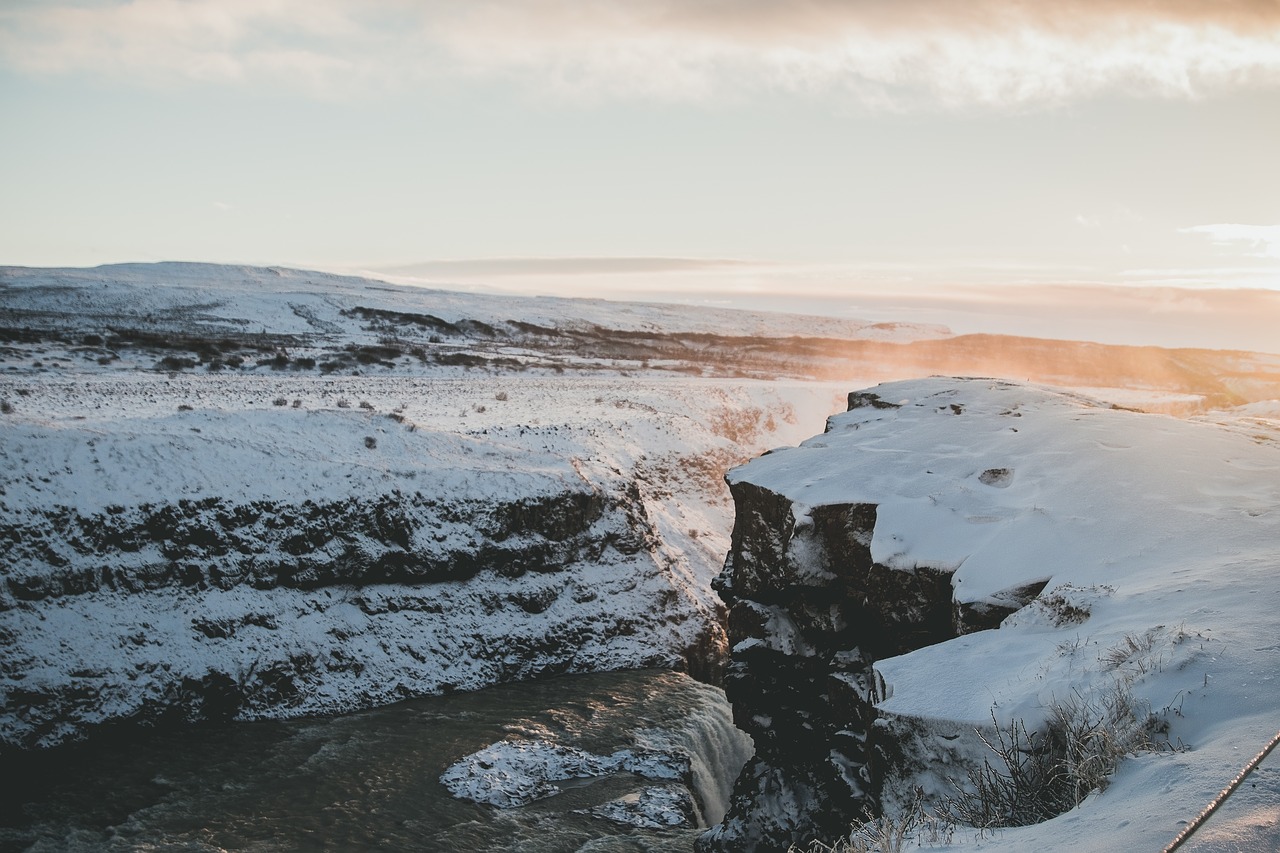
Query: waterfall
[(717, 749)]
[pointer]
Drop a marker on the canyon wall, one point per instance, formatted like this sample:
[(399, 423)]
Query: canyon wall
[(810, 613), (309, 572)]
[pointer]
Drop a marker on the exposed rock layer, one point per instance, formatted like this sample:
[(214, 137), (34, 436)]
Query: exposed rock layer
[(388, 538), (211, 609)]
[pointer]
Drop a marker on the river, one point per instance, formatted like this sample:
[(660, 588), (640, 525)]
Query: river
[(370, 780)]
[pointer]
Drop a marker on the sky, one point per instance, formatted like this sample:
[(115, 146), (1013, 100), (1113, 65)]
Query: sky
[(878, 156)]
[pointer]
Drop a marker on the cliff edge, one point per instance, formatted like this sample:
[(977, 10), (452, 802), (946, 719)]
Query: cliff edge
[(1110, 550)]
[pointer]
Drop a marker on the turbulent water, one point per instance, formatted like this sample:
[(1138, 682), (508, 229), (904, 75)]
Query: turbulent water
[(371, 780)]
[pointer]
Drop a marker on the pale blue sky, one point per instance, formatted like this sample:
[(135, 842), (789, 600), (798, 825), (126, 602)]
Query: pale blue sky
[(831, 146)]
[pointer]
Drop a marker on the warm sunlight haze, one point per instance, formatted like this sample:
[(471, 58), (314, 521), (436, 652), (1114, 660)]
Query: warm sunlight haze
[(1001, 167)]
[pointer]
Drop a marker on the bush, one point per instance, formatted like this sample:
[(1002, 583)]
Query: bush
[(279, 401), (370, 442), (6, 407), (1038, 775), (173, 362), (501, 396)]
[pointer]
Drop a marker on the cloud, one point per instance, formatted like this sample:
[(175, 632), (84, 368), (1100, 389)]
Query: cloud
[(891, 54), (1263, 239)]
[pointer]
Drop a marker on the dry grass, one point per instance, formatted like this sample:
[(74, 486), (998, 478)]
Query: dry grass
[(1033, 776)]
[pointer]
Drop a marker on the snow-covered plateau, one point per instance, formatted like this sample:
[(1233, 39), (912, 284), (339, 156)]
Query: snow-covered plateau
[(239, 493)]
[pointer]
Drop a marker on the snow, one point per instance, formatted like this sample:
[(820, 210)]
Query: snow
[(291, 301), (1160, 540), (514, 773), (84, 440), (1160, 528), (653, 807)]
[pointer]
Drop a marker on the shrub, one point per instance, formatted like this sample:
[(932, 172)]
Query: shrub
[(370, 442), (1038, 775), (279, 401), (6, 407), (1024, 785), (173, 362), (501, 396), (344, 404), (366, 405)]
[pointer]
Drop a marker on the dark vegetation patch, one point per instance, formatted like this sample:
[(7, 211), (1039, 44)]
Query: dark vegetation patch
[(1221, 378)]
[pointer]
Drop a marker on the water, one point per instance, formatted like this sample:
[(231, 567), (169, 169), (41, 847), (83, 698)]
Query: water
[(370, 780)]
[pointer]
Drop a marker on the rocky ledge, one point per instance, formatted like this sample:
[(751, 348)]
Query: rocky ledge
[(930, 511)]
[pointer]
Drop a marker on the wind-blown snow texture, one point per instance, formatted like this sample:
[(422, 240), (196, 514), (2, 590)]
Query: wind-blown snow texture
[(1157, 541)]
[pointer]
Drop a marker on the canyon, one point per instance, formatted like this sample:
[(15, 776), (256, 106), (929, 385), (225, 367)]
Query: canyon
[(235, 494)]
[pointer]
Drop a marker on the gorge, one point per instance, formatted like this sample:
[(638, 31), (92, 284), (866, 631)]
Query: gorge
[(236, 494)]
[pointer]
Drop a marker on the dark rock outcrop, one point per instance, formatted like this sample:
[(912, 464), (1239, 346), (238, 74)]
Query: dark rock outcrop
[(387, 538), (810, 611)]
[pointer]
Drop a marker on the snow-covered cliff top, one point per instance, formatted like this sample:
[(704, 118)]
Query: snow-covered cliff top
[(1159, 540)]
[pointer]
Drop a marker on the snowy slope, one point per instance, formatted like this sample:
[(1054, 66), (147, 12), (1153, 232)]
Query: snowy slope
[(300, 302), (1157, 539)]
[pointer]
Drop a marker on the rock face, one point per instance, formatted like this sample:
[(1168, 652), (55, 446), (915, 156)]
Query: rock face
[(810, 612), (265, 544), (216, 564), (207, 609)]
